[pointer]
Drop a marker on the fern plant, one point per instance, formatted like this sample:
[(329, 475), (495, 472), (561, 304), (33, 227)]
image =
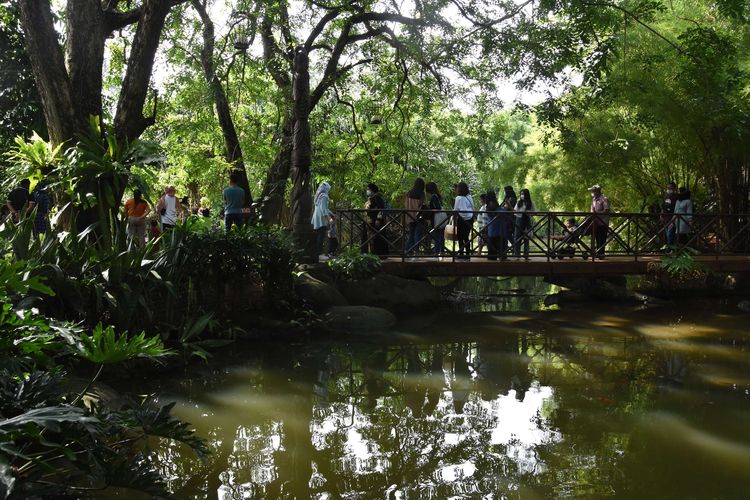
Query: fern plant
[(681, 262)]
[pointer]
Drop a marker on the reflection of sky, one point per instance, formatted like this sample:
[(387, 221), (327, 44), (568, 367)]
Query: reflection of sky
[(518, 426)]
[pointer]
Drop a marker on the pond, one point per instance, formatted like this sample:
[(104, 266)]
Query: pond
[(587, 401)]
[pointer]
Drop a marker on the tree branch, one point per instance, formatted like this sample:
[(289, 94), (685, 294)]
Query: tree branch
[(129, 120), (638, 21), (318, 29), (114, 20)]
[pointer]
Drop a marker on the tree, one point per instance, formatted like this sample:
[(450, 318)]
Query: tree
[(70, 82), (233, 149), (20, 109)]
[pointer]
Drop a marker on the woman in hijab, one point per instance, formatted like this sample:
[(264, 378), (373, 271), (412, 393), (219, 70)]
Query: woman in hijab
[(321, 215)]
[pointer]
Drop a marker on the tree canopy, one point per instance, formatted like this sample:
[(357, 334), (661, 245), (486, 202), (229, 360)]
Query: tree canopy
[(627, 94)]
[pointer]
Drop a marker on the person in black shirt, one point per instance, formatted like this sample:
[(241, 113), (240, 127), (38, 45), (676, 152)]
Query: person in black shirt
[(375, 205), (19, 200)]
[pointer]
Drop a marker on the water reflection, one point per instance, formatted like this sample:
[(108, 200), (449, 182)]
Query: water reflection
[(553, 404)]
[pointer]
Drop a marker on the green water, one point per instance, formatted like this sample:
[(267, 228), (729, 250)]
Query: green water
[(592, 401)]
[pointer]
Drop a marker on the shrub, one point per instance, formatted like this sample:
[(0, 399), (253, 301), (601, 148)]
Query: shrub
[(353, 265)]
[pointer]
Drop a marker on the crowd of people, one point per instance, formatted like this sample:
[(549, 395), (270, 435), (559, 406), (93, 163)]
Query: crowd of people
[(503, 225), (498, 226), (145, 220)]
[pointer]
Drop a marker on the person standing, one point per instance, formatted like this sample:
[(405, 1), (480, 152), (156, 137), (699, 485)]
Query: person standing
[(19, 200), (374, 206), (333, 238), (523, 229), (600, 221), (437, 218), (234, 200), (482, 220), (136, 209), (683, 212), (670, 200), (41, 202), (414, 202), (497, 236), (321, 216), (509, 199), (464, 208), (169, 208)]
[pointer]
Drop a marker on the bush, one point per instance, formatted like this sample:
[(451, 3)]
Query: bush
[(54, 444), (353, 265), (164, 287)]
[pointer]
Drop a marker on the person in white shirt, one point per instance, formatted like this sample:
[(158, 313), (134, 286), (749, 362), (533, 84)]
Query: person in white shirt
[(482, 221), (683, 214), (464, 207), (169, 208), (523, 228)]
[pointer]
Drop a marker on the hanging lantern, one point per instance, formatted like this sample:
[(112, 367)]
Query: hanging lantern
[(241, 43), (376, 119)]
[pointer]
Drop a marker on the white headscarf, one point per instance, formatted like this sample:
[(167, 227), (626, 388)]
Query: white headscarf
[(323, 189)]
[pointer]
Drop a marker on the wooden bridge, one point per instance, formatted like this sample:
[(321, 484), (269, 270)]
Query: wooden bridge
[(635, 243)]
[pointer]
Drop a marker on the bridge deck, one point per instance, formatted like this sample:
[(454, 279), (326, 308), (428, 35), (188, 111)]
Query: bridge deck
[(541, 266)]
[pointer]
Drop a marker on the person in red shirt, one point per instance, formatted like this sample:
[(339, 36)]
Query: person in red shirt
[(136, 209)]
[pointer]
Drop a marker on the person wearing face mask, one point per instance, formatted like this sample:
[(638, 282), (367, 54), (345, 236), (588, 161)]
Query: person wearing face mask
[(600, 223), (522, 233), (670, 200)]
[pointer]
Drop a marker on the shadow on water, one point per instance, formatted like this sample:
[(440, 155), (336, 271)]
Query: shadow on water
[(598, 401)]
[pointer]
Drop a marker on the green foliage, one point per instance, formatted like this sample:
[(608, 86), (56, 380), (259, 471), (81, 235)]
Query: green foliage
[(103, 346), (352, 265), (240, 260), (681, 263), (98, 169), (51, 444), (20, 107), (30, 159)]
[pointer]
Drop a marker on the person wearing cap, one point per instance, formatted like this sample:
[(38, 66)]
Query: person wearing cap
[(600, 224)]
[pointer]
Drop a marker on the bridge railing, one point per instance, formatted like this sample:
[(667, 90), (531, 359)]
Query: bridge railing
[(386, 233)]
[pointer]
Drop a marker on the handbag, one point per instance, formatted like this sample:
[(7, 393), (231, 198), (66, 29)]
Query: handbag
[(439, 219), (451, 230)]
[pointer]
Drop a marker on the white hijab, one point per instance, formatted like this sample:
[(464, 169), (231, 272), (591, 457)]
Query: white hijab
[(323, 189)]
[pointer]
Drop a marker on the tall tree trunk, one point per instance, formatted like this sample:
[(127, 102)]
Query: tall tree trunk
[(129, 120), (274, 190), (302, 157), (233, 150), (48, 65), (84, 55)]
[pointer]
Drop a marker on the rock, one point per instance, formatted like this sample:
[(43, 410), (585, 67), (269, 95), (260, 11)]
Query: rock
[(359, 318), (391, 292), (320, 271), (319, 294)]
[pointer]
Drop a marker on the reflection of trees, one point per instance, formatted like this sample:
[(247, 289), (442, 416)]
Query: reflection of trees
[(376, 420)]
